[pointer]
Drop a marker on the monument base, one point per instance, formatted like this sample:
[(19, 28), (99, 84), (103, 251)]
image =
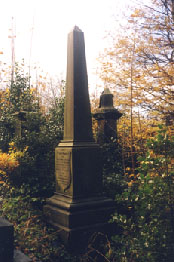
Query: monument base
[(79, 219)]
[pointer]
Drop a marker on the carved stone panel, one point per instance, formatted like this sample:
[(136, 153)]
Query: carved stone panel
[(63, 169)]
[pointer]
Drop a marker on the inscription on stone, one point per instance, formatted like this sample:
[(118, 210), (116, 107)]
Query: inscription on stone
[(63, 168)]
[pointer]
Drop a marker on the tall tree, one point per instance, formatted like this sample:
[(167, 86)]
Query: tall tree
[(156, 52), (151, 34), (138, 66)]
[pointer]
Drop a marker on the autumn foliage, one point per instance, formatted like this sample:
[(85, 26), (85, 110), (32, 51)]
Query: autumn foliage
[(138, 165)]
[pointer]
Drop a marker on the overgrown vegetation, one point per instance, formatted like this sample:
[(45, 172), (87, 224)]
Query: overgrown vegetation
[(138, 170), (144, 199), (39, 136), (27, 165), (147, 230)]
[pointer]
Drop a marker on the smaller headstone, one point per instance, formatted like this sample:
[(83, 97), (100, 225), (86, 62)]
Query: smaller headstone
[(19, 116), (6, 241), (7, 252), (107, 117)]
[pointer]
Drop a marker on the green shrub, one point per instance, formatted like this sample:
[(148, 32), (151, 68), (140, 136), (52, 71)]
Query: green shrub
[(113, 175), (148, 232), (40, 134)]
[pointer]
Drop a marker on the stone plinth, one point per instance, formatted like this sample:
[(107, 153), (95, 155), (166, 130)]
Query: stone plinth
[(107, 117), (78, 219), (78, 207)]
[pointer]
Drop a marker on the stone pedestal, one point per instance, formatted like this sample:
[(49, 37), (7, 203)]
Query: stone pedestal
[(79, 219), (78, 207)]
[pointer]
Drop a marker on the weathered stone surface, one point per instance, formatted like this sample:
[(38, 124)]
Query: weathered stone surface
[(82, 212), (78, 170), (78, 207), (6, 241), (107, 117), (7, 252), (106, 109), (20, 257), (78, 219), (77, 116)]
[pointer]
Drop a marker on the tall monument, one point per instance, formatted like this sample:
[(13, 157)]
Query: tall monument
[(78, 206)]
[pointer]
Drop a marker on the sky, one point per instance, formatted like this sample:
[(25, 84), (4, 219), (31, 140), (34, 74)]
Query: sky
[(41, 28)]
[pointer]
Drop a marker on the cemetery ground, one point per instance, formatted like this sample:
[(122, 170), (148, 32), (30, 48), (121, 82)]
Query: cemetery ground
[(137, 171), (138, 176), (144, 212)]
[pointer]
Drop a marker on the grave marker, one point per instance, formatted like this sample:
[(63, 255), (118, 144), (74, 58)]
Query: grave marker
[(78, 207)]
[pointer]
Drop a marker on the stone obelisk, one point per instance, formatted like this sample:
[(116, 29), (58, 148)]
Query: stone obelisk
[(78, 206)]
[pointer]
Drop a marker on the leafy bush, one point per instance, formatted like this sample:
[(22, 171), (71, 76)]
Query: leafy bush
[(33, 236), (113, 175), (40, 134), (148, 232)]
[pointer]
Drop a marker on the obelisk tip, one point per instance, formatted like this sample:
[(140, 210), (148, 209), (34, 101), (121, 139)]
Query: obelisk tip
[(77, 29)]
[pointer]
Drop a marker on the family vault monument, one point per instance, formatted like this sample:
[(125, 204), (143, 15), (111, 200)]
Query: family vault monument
[(78, 207), (106, 116)]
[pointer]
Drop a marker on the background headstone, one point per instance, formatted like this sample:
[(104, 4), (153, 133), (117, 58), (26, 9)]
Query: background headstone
[(7, 252), (106, 116), (6, 241)]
